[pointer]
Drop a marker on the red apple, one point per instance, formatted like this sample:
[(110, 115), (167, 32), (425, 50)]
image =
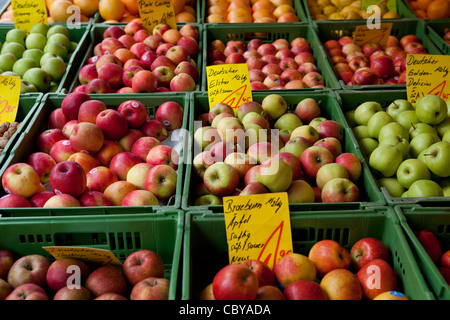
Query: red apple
[(106, 279), (235, 282), (68, 177), (142, 264), (304, 290), (430, 243), (366, 250), (328, 255), (151, 288), (377, 276), (62, 269)]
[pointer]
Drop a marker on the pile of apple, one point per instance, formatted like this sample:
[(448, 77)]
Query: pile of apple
[(39, 58), (131, 59), (263, 148), (408, 146), (36, 277), (277, 65), (93, 155), (433, 248), (328, 272), (371, 64)]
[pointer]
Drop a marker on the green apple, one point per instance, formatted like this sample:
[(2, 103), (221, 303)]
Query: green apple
[(40, 27), (446, 136), (360, 132), (315, 122), (61, 39), (385, 160), (350, 117), (35, 54), (24, 64), (16, 35), (35, 41), (7, 61), (275, 175), (48, 55), (274, 105), (425, 188), (398, 106), (437, 159), (58, 28), (73, 46), (431, 109), (231, 130), (296, 146), (376, 122), (393, 128), (419, 128), (443, 127), (55, 68), (26, 87), (421, 142), (368, 145), (411, 170), (56, 48), (407, 119), (397, 141), (392, 185), (53, 87), (40, 78), (448, 108), (288, 121), (13, 47), (365, 110), (445, 185), (9, 74), (204, 136)]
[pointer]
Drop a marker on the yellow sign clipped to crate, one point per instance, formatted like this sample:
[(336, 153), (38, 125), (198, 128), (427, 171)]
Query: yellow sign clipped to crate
[(427, 74), (228, 83), (9, 98), (364, 35), (154, 12), (92, 255), (28, 13), (258, 227)]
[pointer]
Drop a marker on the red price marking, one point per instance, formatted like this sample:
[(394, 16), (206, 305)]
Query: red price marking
[(231, 98), (439, 90), (273, 238), (5, 107)]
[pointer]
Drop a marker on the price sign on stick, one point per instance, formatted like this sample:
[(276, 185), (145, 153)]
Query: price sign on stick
[(9, 98), (92, 255), (258, 227), (28, 13), (228, 83), (427, 74), (363, 35), (154, 12)]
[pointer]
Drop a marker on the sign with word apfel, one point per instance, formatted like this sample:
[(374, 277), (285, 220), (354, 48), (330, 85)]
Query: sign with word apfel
[(29, 12), (228, 83), (258, 227), (92, 255), (364, 35), (390, 4), (9, 98), (427, 74), (154, 12)]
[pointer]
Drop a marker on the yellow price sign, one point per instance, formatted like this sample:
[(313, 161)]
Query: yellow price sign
[(154, 12), (92, 255), (258, 227), (28, 13), (427, 74), (228, 83), (364, 35), (9, 98)]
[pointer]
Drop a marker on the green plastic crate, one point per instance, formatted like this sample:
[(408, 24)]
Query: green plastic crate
[(96, 36), (269, 32), (437, 220), (77, 35), (25, 111), (25, 145), (330, 30), (349, 100), (436, 29), (370, 195), (301, 14), (162, 233), (206, 251), (402, 10)]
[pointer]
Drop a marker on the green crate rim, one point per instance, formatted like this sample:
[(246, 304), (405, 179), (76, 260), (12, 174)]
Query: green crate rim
[(434, 29)]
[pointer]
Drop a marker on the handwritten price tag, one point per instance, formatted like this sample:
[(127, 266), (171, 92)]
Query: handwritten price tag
[(258, 227), (363, 35), (427, 74), (28, 13), (92, 255), (154, 12), (229, 83), (390, 4), (9, 98)]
